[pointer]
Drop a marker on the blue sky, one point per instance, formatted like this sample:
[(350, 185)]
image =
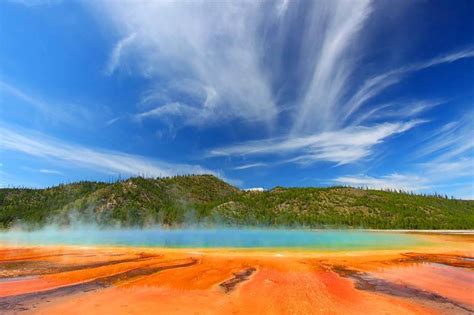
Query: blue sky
[(291, 93)]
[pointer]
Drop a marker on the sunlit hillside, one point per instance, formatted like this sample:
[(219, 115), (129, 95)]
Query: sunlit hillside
[(205, 199)]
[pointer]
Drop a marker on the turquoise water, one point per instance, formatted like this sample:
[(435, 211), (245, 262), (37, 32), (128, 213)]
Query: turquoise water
[(214, 238)]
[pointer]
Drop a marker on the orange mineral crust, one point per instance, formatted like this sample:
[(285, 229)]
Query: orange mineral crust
[(435, 279)]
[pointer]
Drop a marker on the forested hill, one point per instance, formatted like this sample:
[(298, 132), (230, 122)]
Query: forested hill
[(205, 199)]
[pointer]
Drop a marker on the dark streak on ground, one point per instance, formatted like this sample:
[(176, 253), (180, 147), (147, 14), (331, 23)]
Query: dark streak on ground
[(444, 259), (26, 301), (240, 276), (367, 282), (37, 257), (38, 267)]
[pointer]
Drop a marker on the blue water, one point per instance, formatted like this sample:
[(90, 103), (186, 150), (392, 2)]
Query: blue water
[(214, 238)]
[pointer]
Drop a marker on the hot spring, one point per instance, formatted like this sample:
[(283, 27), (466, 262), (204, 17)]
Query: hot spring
[(214, 238)]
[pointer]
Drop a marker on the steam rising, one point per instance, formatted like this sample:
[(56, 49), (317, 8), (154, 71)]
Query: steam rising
[(217, 237)]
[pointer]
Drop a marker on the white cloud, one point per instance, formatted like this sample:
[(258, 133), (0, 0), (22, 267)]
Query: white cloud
[(376, 84), (444, 171), (331, 32), (48, 171), (281, 7), (38, 145), (452, 140), (212, 44), (117, 52), (173, 110), (252, 165), (222, 47), (392, 181), (112, 121), (446, 58), (428, 177), (396, 110), (447, 164), (179, 113), (209, 62), (342, 146), (64, 112)]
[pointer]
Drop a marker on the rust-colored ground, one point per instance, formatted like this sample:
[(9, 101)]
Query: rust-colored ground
[(72, 280)]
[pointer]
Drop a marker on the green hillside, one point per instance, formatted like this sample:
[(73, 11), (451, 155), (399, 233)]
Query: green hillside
[(205, 199)]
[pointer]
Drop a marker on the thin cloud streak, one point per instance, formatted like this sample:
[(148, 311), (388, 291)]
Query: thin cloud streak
[(171, 111), (48, 171), (393, 181), (452, 140), (341, 147), (426, 178), (450, 150), (397, 110), (67, 113), (117, 53), (247, 166), (334, 62), (375, 85), (103, 161)]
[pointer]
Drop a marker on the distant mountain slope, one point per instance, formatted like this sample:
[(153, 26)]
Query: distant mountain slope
[(206, 199)]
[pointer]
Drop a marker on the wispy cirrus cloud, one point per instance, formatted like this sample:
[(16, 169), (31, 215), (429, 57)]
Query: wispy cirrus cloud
[(450, 141), (174, 111), (195, 42), (204, 70), (179, 45), (106, 161), (279, 81), (447, 154), (407, 182), (49, 171), (63, 112), (251, 165), (396, 111), (341, 147), (117, 53), (334, 29), (427, 177), (377, 84)]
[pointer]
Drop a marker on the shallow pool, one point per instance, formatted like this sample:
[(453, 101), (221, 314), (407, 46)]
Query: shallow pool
[(214, 238)]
